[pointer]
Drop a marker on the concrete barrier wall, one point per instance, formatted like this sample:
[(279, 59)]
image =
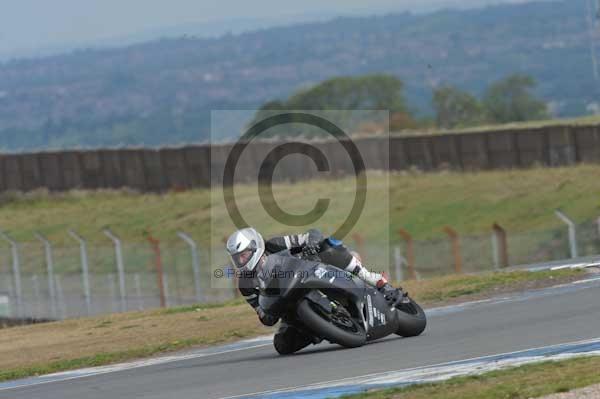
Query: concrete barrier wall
[(159, 170)]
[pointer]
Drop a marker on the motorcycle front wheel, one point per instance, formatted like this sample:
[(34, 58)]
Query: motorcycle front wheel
[(336, 327), (412, 319)]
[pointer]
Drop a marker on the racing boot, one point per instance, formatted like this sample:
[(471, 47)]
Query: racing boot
[(290, 339), (394, 296)]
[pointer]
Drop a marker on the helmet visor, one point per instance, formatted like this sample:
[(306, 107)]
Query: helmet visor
[(242, 258)]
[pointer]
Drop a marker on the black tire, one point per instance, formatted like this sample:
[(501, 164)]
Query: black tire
[(412, 319), (322, 327)]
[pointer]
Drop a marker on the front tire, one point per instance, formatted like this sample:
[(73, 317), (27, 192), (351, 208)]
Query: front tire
[(351, 335), (412, 319)]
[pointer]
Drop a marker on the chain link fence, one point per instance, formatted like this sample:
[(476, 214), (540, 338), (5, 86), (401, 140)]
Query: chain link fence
[(50, 282), (87, 282), (478, 253)]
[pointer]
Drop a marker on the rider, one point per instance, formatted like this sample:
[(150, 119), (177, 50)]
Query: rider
[(248, 250)]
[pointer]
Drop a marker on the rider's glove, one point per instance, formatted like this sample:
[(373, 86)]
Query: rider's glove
[(312, 245), (309, 252), (265, 318)]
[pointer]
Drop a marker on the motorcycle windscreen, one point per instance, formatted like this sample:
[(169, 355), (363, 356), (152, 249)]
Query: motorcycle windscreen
[(279, 274)]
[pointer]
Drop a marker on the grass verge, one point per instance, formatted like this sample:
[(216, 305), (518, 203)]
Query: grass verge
[(460, 288), (522, 382), (520, 200), (70, 344)]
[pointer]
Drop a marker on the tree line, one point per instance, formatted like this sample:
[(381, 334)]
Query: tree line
[(510, 99)]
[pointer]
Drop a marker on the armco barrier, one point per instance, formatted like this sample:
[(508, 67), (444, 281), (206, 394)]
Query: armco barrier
[(158, 170)]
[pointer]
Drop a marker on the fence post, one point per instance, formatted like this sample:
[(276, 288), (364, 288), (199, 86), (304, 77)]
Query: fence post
[(500, 244), (410, 253), (84, 269), (455, 240), (50, 272), (155, 244), (572, 231), (195, 263), (16, 266), (598, 223), (120, 267)]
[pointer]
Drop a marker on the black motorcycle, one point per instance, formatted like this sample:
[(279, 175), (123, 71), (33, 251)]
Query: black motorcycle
[(332, 304)]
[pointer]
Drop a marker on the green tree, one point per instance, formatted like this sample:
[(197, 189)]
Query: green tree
[(511, 100), (370, 92), (456, 108), (382, 92)]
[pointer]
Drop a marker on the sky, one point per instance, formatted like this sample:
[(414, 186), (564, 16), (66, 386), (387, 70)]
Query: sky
[(29, 26)]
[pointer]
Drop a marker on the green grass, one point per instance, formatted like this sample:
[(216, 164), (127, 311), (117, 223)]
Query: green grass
[(522, 201), (422, 203), (523, 382)]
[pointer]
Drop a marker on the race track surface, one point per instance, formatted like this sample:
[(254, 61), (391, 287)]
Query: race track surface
[(530, 320)]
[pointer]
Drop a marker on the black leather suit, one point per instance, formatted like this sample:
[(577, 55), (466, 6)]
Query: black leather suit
[(289, 338)]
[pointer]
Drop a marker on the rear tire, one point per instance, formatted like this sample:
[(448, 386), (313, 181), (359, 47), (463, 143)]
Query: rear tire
[(412, 319), (323, 327)]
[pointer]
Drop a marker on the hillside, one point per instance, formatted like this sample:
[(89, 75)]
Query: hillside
[(160, 92)]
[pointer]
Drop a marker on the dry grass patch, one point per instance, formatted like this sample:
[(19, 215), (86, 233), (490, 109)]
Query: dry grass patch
[(152, 331), (460, 288)]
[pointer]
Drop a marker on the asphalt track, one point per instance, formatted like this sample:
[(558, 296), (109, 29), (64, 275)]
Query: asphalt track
[(519, 322)]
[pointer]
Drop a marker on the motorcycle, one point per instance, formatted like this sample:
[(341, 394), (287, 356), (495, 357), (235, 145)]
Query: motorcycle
[(332, 304)]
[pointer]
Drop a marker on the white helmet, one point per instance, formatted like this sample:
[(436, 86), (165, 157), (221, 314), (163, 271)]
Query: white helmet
[(245, 247)]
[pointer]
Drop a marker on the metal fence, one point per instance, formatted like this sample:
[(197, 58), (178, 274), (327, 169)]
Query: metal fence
[(40, 280), (487, 252)]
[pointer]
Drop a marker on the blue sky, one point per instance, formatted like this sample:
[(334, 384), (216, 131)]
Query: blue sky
[(27, 25)]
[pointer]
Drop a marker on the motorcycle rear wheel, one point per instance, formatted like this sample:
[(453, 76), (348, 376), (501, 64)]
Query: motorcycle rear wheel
[(335, 327)]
